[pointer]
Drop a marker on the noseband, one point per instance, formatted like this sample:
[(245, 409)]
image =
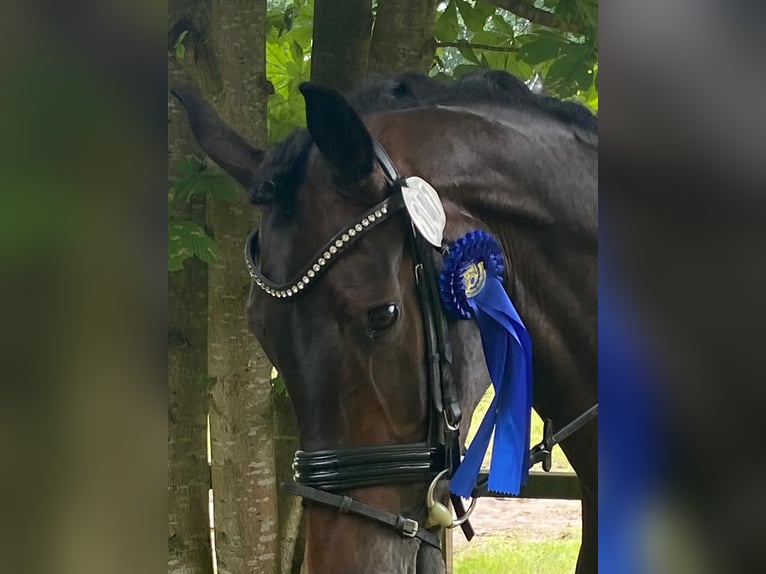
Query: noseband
[(319, 475)]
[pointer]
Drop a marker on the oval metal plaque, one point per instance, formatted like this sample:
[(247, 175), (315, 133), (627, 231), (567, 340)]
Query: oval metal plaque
[(425, 208)]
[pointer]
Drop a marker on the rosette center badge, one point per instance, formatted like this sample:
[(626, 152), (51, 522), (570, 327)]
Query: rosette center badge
[(474, 278)]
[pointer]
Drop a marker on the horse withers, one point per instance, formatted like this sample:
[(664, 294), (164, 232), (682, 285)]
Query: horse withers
[(339, 305)]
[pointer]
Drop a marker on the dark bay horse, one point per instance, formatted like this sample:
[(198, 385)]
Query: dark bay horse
[(351, 347)]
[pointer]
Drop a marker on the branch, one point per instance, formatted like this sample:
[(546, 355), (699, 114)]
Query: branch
[(476, 46), (536, 15)]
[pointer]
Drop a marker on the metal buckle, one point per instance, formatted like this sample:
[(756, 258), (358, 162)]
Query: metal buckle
[(447, 416), (542, 451), (410, 528), (418, 273)]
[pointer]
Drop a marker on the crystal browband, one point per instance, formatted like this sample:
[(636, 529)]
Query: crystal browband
[(325, 256)]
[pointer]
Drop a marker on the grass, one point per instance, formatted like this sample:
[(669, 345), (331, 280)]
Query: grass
[(503, 554), (559, 461)]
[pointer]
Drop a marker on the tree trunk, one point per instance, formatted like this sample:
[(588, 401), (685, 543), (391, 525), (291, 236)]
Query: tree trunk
[(189, 550), (290, 507), (225, 55), (403, 37), (244, 483), (341, 42)]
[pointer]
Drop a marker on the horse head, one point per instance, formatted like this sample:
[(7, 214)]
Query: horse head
[(335, 305)]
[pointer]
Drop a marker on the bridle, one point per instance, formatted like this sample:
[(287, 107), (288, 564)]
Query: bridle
[(320, 475)]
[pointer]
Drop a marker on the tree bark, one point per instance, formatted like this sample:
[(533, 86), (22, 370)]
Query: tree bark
[(341, 42), (244, 483), (189, 550), (290, 509), (403, 37), (225, 56)]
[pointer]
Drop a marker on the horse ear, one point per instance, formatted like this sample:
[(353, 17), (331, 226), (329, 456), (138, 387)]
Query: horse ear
[(235, 154), (339, 133)]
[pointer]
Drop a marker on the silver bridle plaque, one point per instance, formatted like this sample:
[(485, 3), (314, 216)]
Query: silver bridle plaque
[(425, 208)]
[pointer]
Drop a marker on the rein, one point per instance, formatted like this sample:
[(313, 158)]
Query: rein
[(320, 474)]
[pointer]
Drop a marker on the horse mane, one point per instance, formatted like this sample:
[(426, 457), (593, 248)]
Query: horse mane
[(489, 87), (410, 90)]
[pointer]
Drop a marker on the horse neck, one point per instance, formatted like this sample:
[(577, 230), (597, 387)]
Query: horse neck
[(533, 182)]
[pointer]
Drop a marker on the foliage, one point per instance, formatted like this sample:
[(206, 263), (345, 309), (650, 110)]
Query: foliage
[(278, 386), (178, 47), (288, 63), (561, 54), (186, 238), (196, 178), (205, 380), (476, 34), (470, 35)]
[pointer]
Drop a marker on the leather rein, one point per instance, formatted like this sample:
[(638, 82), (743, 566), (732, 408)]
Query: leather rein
[(320, 475)]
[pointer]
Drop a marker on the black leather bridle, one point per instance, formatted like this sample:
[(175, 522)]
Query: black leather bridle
[(320, 475)]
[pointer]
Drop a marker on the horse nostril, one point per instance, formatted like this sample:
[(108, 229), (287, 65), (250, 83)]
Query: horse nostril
[(382, 318)]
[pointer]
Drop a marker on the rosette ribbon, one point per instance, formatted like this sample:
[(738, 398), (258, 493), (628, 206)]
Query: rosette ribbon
[(471, 286)]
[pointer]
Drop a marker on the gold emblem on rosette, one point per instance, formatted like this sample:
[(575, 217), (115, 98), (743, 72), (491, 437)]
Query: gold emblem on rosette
[(474, 278)]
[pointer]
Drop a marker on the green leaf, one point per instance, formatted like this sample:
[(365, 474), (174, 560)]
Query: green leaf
[(295, 69), (297, 52), (466, 51), (218, 185), (187, 239), (560, 70), (566, 76), (197, 179), (178, 47), (589, 9), (492, 38), (497, 60), (188, 179), (485, 8), (446, 28), (518, 67), (541, 50), (582, 76), (207, 381), (287, 65), (572, 72), (278, 386), (567, 10), (503, 26), (474, 19)]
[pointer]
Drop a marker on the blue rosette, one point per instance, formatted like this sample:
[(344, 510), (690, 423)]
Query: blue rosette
[(475, 254), (471, 287)]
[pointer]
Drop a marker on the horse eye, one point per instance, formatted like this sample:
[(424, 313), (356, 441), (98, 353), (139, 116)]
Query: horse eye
[(381, 318)]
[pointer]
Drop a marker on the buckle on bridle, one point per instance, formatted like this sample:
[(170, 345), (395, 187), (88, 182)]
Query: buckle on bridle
[(452, 417), (542, 452), (410, 528)]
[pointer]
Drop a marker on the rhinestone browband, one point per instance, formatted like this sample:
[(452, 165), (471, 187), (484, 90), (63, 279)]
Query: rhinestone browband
[(321, 261)]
